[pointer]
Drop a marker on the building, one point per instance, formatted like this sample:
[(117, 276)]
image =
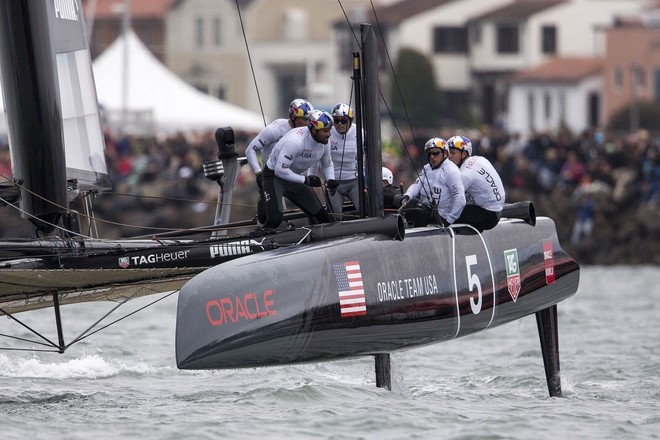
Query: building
[(561, 93), (262, 54), (265, 57), (106, 19), (632, 64), (478, 46)]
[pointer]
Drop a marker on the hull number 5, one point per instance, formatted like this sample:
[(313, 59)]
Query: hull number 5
[(473, 282)]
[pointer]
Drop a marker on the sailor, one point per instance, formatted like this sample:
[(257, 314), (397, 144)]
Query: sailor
[(344, 150), (265, 141), (484, 191), (439, 187), (389, 190), (297, 151)]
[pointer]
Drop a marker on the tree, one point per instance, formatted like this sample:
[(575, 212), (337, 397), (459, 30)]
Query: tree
[(415, 95)]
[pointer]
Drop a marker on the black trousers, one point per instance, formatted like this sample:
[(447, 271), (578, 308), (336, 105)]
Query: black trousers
[(261, 206), (481, 219), (418, 214), (300, 195)]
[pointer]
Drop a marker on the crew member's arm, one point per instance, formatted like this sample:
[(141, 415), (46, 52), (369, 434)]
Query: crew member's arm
[(283, 164), (415, 188), (457, 193), (265, 137)]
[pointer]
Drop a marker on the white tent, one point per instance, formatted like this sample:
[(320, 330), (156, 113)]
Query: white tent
[(152, 90)]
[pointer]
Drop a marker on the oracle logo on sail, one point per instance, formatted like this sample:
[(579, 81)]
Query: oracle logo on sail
[(246, 307)]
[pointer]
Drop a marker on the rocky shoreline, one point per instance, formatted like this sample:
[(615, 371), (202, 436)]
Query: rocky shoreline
[(621, 234)]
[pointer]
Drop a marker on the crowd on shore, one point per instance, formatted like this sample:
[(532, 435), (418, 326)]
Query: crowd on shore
[(603, 191)]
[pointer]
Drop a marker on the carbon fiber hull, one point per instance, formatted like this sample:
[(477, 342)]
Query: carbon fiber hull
[(368, 295)]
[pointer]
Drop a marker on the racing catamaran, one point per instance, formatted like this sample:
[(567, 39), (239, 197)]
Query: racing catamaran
[(362, 287)]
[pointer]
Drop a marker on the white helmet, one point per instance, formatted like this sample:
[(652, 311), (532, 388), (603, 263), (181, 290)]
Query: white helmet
[(387, 175)]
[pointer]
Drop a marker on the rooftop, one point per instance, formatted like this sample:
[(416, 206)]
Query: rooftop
[(566, 70)]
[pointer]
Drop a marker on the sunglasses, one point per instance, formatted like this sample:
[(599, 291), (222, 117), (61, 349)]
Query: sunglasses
[(341, 120), (435, 153)]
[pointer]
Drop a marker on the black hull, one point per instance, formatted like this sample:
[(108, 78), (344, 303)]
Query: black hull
[(283, 306)]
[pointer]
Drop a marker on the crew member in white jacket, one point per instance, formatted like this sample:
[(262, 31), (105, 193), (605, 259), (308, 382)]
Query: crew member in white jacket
[(297, 151), (484, 191), (439, 187), (344, 150), (265, 141)]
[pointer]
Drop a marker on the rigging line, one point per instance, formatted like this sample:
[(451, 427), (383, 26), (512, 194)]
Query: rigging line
[(34, 332), (176, 199), (350, 27), (17, 338), (77, 234), (104, 221), (394, 77), (61, 228), (247, 48), (39, 196), (398, 88), (343, 150), (382, 37), (81, 337), (77, 338), (31, 350)]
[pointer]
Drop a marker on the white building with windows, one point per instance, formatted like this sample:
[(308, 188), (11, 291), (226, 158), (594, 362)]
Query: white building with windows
[(564, 92), (300, 49), (291, 43), (477, 46)]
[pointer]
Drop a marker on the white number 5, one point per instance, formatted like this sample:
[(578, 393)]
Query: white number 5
[(473, 279)]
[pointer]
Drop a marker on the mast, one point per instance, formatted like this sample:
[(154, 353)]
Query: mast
[(371, 118), (32, 101), (53, 117)]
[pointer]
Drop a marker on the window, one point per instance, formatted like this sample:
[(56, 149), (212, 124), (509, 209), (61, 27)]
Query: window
[(639, 79), (199, 32), (618, 77), (450, 40), (217, 32), (656, 85), (547, 106), (549, 40), (507, 38)]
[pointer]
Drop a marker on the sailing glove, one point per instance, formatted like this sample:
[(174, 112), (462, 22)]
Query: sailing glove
[(312, 181), (260, 180), (332, 183)]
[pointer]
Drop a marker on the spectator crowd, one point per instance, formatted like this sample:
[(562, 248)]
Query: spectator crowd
[(602, 190)]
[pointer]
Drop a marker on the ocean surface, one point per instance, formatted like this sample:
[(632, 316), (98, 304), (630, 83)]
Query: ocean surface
[(123, 382)]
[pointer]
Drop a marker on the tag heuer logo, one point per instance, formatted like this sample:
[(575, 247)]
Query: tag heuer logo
[(124, 262), (512, 273)]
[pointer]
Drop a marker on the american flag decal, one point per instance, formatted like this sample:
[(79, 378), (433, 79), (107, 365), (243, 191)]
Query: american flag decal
[(350, 289)]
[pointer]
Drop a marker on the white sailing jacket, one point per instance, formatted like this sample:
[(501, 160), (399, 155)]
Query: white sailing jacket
[(296, 152), (344, 150), (442, 185), (265, 141), (483, 185)]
